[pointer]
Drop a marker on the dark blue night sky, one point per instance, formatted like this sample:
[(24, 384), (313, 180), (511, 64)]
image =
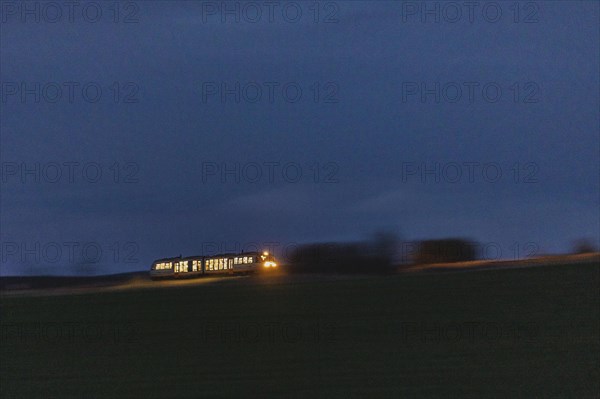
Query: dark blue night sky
[(468, 128)]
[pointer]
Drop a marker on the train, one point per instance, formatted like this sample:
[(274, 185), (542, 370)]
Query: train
[(221, 264)]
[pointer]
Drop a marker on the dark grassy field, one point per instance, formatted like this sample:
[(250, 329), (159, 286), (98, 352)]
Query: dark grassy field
[(521, 333)]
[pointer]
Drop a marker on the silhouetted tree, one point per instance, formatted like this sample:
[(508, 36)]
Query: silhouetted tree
[(340, 258), (445, 251), (385, 246)]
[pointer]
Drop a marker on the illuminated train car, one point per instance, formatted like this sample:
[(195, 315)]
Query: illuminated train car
[(193, 266)]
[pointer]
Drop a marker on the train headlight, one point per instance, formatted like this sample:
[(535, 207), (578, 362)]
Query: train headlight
[(270, 264)]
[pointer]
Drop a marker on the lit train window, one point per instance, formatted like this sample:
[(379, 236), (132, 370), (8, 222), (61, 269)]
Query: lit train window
[(250, 259), (245, 259)]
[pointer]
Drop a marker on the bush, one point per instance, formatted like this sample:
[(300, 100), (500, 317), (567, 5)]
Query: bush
[(584, 246)]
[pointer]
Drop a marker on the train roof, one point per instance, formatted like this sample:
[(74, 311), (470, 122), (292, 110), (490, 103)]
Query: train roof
[(167, 259), (224, 255)]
